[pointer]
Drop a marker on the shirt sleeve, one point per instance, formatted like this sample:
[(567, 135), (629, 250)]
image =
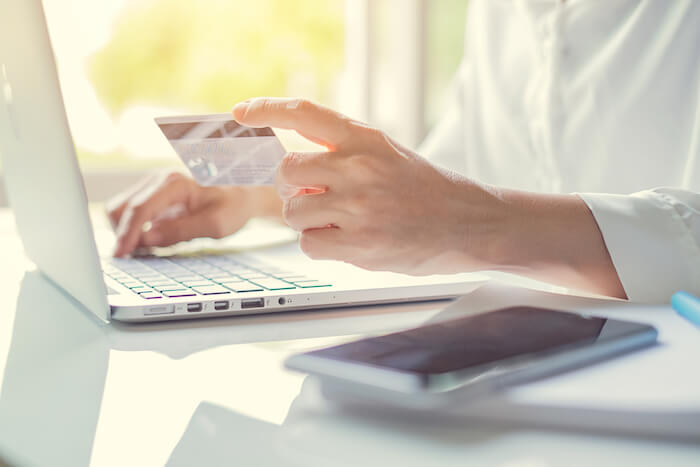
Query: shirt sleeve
[(444, 145), (653, 238)]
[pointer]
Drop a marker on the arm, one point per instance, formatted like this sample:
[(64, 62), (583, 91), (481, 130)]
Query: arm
[(382, 207), (591, 270), (554, 238)]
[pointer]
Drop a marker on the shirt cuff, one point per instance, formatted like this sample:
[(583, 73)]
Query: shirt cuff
[(652, 248)]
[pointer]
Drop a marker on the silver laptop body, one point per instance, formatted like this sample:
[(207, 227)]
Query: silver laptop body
[(46, 191)]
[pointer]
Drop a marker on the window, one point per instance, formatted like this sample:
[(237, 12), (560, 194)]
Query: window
[(415, 49), (123, 62), (445, 41)]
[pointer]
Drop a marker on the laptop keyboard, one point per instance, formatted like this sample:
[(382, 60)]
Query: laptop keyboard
[(155, 278)]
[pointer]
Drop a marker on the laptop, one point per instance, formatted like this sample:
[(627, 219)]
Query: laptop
[(46, 191)]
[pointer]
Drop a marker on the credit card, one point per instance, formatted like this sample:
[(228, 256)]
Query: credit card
[(219, 151)]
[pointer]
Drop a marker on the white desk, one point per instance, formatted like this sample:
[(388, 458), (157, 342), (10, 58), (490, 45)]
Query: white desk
[(213, 392)]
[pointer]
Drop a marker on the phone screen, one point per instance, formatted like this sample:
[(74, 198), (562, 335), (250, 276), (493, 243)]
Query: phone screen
[(474, 341)]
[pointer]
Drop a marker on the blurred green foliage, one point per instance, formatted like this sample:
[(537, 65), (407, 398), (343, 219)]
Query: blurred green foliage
[(208, 55)]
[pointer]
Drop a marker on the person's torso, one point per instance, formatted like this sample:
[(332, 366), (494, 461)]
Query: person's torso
[(583, 95)]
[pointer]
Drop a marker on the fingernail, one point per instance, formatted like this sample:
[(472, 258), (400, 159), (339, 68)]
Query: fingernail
[(313, 190)]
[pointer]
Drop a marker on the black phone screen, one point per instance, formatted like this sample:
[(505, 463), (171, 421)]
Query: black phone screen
[(476, 340)]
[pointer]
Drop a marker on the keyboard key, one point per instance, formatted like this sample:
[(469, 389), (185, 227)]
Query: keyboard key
[(175, 270), (270, 267), (179, 293), (165, 288), (310, 284), (242, 286), (228, 278), (163, 283), (216, 274), (252, 275), (234, 268), (150, 295), (211, 290), (188, 277), (118, 276), (150, 276), (203, 269), (234, 280), (291, 277), (239, 271), (197, 283), (155, 277), (273, 284)]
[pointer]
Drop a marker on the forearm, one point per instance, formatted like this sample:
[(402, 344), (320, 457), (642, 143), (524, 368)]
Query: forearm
[(554, 238)]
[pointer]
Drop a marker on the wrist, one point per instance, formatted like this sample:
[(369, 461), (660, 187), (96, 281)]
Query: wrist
[(494, 239), (535, 231), (553, 238), (481, 218), (525, 237)]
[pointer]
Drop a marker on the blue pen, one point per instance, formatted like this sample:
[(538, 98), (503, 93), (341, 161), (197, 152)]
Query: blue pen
[(687, 305)]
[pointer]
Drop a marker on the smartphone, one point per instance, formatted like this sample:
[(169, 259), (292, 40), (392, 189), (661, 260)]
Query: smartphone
[(486, 350)]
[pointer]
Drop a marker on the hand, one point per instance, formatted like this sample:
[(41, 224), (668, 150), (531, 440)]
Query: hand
[(165, 209), (371, 202)]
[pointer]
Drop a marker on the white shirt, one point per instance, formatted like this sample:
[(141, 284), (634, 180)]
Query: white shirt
[(599, 97)]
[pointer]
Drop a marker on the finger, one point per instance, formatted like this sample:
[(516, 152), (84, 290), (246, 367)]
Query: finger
[(311, 211), (116, 204), (326, 243), (315, 122), (145, 208), (306, 170), (181, 229)]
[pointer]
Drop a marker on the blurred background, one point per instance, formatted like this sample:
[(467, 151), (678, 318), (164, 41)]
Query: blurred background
[(123, 62)]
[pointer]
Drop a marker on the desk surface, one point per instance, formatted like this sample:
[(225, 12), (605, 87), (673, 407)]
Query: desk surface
[(213, 392)]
